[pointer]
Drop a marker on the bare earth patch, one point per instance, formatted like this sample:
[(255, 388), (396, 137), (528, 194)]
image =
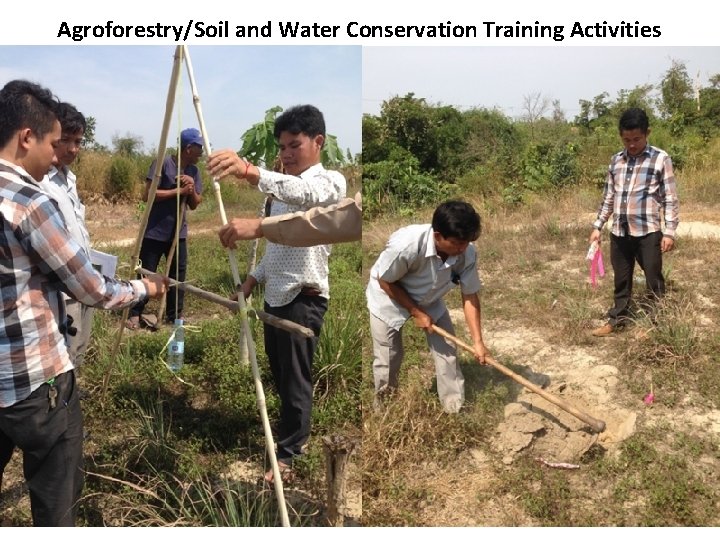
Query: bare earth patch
[(572, 374)]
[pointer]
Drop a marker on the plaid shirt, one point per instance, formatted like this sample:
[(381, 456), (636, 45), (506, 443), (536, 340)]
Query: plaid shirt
[(38, 260), (636, 189)]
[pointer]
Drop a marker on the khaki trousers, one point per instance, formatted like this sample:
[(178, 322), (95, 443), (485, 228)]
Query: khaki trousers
[(388, 356)]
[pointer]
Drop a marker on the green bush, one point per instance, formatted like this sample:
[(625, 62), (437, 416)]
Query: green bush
[(398, 186), (123, 178)]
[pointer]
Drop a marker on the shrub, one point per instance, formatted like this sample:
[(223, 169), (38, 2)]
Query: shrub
[(122, 179), (92, 170), (397, 185)]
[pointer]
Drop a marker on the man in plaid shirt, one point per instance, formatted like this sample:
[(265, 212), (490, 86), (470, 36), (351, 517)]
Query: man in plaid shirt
[(39, 260), (639, 192)]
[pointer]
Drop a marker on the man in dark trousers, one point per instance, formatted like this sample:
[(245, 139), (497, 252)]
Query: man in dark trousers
[(39, 260), (639, 190)]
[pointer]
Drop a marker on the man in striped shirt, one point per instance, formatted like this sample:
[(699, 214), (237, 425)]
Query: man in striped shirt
[(39, 260), (640, 192)]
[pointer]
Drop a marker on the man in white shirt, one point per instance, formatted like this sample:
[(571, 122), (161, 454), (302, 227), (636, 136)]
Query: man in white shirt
[(295, 278), (419, 265), (61, 185)]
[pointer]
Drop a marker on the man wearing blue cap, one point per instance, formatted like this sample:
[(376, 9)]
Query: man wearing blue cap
[(181, 180)]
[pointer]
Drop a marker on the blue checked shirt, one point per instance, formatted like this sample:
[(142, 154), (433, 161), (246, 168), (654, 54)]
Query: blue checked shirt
[(39, 260), (636, 191)]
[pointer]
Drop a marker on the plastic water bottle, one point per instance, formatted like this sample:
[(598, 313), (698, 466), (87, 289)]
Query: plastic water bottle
[(176, 349), (591, 251)]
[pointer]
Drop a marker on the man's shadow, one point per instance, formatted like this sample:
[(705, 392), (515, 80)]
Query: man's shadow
[(479, 379)]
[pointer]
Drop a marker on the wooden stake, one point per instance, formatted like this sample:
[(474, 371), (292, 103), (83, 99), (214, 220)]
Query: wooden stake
[(338, 450)]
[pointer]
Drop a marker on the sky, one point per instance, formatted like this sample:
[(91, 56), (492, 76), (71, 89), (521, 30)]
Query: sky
[(501, 77), (123, 81), (125, 88)]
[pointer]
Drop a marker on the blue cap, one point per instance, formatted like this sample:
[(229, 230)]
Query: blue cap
[(190, 136)]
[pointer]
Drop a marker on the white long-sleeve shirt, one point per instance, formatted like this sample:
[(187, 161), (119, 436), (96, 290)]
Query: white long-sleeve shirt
[(286, 270)]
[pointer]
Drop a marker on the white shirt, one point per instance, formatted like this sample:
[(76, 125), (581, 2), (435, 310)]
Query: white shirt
[(61, 186), (410, 259), (286, 270)]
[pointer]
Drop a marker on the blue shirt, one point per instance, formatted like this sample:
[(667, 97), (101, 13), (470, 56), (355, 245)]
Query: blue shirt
[(161, 223)]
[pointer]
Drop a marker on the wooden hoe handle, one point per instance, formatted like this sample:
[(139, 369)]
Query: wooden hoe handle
[(597, 425)]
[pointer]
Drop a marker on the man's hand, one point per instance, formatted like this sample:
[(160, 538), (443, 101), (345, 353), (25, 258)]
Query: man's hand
[(667, 244), (422, 319), (594, 236), (156, 285), (187, 185), (246, 288), (227, 163), (240, 229), (481, 352)]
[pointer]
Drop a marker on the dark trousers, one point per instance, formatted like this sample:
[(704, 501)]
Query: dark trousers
[(151, 252), (51, 443), (291, 361), (624, 251)]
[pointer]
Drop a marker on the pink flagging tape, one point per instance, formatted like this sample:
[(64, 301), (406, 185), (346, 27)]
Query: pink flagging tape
[(597, 268)]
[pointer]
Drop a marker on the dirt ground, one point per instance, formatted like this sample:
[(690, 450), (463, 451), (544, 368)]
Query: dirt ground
[(582, 377)]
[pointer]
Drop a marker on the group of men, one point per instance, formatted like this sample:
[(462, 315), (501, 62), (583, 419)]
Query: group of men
[(49, 285), (44, 259)]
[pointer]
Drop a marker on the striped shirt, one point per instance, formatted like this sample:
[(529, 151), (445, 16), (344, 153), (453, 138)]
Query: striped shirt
[(286, 270), (636, 190), (38, 261)]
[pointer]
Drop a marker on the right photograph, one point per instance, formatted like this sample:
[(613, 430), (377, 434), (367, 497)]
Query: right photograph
[(540, 237)]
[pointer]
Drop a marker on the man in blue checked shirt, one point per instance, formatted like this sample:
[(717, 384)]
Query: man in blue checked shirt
[(39, 261), (640, 193)]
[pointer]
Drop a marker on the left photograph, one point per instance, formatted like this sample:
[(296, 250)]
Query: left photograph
[(181, 277)]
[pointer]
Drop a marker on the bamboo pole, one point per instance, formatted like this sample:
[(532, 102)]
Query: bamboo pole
[(168, 265), (235, 307), (244, 353), (162, 146), (252, 252), (260, 393)]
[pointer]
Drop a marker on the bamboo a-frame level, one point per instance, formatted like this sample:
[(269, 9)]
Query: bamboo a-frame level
[(181, 55)]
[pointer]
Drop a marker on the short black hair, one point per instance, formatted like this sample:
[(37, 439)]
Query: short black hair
[(457, 219), (26, 105), (305, 119), (71, 120), (634, 118)]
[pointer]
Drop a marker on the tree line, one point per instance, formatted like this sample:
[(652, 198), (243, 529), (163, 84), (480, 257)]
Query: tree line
[(416, 153)]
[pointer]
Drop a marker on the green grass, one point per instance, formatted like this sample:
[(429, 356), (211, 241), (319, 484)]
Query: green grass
[(159, 445)]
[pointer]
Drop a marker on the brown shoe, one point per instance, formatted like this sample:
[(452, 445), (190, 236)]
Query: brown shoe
[(604, 330)]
